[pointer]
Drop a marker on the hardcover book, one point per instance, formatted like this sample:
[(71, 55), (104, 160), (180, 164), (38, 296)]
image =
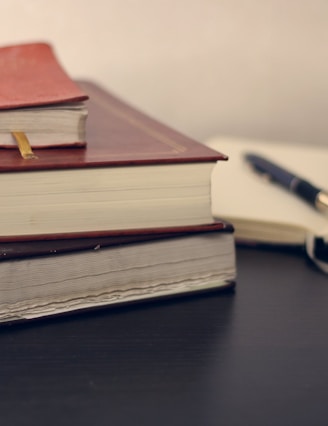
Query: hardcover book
[(38, 98), (134, 173), (44, 278)]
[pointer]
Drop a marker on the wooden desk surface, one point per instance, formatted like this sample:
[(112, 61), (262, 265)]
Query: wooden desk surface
[(256, 357)]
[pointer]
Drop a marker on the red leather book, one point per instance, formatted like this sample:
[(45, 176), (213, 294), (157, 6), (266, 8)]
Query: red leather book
[(30, 75), (134, 173), (39, 98)]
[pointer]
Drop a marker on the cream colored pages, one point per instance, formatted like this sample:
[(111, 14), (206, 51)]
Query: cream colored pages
[(259, 209)]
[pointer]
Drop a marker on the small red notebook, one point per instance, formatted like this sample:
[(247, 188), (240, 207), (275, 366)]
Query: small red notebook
[(40, 105), (30, 75)]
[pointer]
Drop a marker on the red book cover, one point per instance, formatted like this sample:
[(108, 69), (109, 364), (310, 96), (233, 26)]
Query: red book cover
[(30, 75)]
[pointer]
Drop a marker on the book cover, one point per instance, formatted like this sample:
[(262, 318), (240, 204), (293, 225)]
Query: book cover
[(30, 75)]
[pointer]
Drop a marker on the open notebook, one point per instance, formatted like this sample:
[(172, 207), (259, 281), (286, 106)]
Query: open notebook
[(264, 212)]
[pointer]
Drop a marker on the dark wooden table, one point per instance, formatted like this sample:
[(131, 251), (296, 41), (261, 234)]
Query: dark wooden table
[(255, 357)]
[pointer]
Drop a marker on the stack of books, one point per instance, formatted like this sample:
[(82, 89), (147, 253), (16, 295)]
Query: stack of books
[(113, 206)]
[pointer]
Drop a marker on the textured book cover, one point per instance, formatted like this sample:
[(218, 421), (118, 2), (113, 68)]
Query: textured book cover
[(30, 75)]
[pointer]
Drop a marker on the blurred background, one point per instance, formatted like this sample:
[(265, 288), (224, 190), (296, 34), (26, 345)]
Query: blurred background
[(253, 68)]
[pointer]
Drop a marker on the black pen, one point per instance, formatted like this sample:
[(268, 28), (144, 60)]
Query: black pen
[(317, 197)]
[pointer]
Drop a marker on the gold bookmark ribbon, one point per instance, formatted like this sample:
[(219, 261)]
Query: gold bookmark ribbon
[(24, 145)]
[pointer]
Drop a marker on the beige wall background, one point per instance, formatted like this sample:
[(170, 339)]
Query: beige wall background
[(255, 68)]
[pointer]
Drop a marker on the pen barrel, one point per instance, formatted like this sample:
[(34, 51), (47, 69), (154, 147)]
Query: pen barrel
[(306, 191)]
